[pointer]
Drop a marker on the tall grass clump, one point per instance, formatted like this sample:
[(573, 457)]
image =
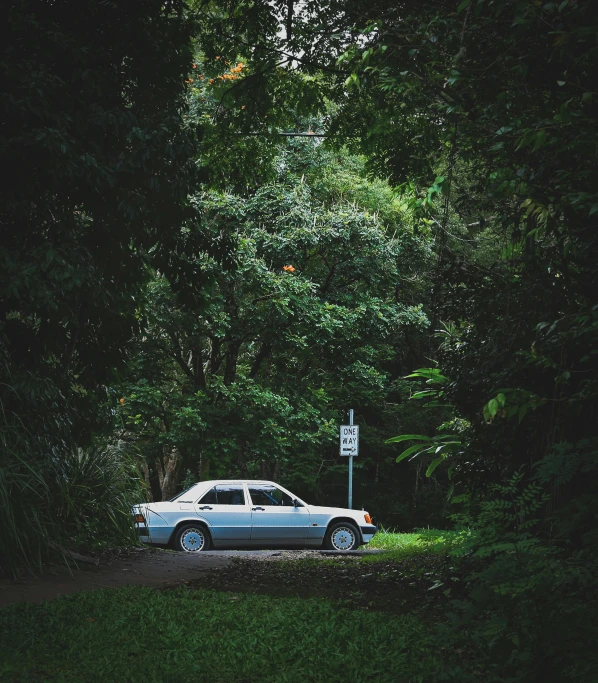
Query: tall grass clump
[(82, 500), (95, 489), (55, 495), (26, 525)]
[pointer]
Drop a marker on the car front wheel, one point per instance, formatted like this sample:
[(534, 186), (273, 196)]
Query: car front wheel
[(342, 536), (192, 538)]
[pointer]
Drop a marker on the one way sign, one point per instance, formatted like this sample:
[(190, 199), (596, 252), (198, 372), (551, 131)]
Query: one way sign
[(349, 440)]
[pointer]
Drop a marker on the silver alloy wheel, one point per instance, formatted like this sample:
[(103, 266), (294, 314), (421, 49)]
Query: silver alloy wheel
[(343, 538), (193, 540)]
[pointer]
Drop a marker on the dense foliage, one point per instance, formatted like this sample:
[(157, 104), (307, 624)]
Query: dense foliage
[(253, 377), (175, 266), (98, 170), (499, 112)]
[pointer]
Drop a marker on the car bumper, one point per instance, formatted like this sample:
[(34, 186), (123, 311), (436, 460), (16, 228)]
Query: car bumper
[(152, 535), (368, 532)]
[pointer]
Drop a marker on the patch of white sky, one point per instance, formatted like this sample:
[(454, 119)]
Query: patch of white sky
[(304, 11)]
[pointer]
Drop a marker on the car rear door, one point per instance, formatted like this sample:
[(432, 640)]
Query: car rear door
[(274, 518), (226, 510)]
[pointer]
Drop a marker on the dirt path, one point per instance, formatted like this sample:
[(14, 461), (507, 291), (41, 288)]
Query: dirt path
[(138, 567), (135, 567)]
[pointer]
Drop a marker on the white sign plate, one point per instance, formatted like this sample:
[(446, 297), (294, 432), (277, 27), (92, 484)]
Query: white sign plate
[(349, 440)]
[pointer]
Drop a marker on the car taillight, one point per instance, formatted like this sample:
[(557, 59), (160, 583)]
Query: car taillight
[(140, 519), (368, 519)]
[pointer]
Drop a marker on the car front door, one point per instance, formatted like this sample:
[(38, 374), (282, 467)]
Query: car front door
[(227, 512), (274, 518)]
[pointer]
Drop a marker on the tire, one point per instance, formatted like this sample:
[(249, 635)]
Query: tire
[(192, 538), (342, 536)]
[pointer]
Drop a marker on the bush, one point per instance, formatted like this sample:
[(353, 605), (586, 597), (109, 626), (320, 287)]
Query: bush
[(80, 497)]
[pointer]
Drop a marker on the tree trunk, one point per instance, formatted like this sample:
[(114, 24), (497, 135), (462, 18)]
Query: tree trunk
[(146, 478), (230, 366), (204, 468), (170, 474)]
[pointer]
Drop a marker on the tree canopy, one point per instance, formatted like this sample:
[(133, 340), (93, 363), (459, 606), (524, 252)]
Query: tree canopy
[(226, 223)]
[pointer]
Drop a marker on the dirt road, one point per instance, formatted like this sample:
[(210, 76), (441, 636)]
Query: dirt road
[(133, 567), (140, 566)]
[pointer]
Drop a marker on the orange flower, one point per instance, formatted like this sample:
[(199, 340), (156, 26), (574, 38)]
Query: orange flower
[(289, 269), (218, 57), (194, 66), (122, 400), (211, 80), (243, 106)]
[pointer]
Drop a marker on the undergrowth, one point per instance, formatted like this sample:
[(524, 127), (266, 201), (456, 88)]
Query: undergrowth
[(135, 634)]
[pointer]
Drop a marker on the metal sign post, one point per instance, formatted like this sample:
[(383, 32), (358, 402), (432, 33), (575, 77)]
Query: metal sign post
[(351, 466), (349, 445)]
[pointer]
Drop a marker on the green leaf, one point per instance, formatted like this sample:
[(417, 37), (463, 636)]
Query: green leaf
[(433, 465), (493, 407), (407, 437), (448, 438), (412, 449), (540, 139), (432, 374), (427, 392)]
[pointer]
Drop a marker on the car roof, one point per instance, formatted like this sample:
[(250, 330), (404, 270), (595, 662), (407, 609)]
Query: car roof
[(214, 482)]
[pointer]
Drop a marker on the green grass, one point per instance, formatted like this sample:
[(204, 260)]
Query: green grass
[(140, 634), (401, 545)]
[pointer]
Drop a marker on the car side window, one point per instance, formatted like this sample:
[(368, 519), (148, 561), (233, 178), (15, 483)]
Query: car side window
[(209, 498), (269, 495), (230, 495)]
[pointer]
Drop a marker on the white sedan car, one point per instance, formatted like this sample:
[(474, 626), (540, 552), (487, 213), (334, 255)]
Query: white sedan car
[(243, 514)]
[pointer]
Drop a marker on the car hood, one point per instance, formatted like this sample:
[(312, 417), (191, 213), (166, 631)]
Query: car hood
[(337, 512)]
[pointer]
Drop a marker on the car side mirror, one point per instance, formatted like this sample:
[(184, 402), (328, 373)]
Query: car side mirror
[(296, 503)]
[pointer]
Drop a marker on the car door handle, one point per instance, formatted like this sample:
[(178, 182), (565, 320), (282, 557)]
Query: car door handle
[(258, 508), (205, 507)]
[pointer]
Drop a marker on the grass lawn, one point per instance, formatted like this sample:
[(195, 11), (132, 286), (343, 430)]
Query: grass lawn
[(141, 634), (335, 619)]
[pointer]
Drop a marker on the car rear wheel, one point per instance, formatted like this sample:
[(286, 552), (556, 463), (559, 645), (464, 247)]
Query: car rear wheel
[(192, 538), (342, 536)]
